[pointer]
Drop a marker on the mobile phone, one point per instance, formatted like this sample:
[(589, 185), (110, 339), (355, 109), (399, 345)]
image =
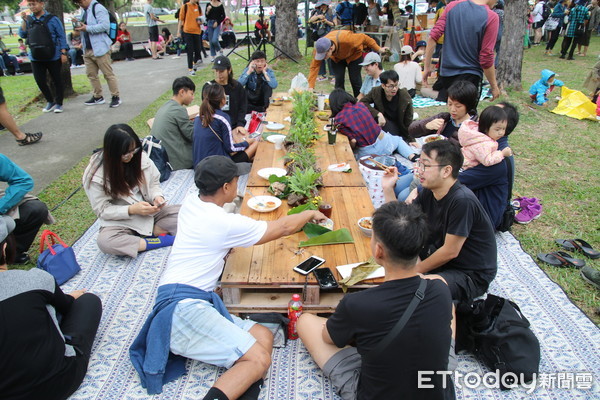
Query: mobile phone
[(76, 23), (307, 266), (254, 135), (325, 278)]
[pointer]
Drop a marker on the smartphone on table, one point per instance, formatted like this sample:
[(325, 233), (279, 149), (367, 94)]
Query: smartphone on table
[(325, 278), (309, 265)]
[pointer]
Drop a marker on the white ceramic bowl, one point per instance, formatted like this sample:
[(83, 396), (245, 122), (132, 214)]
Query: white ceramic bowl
[(269, 203), (265, 173), (365, 231), (275, 138)]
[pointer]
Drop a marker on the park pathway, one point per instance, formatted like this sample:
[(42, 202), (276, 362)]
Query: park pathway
[(72, 135)]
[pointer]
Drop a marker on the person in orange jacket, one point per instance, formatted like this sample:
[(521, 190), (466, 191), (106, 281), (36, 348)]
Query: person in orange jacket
[(345, 49)]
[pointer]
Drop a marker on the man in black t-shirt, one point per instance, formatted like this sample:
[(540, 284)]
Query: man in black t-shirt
[(461, 247), (365, 318)]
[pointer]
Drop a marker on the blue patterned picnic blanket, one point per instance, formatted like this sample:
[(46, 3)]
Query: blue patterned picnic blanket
[(569, 340)]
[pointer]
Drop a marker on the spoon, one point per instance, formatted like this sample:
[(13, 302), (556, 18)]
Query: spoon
[(258, 202)]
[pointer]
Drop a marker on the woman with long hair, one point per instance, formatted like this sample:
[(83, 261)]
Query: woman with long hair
[(215, 14), (212, 130), (122, 184)]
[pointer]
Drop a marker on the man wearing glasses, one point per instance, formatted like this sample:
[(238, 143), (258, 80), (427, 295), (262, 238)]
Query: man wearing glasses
[(392, 106), (461, 248)]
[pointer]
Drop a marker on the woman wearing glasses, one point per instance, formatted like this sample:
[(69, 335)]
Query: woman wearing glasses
[(122, 185)]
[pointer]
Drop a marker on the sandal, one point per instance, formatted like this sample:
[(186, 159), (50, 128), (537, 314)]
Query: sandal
[(30, 138), (579, 245), (561, 259)]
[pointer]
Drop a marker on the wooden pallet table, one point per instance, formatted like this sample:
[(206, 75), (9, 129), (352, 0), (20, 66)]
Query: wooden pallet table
[(260, 278)]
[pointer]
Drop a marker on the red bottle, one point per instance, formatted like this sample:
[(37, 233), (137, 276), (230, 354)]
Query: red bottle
[(294, 312)]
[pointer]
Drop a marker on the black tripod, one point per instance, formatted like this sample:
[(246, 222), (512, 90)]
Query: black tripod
[(262, 44)]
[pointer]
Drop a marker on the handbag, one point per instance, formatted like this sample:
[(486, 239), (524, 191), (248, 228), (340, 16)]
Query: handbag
[(498, 333), (579, 29), (551, 24), (57, 259)]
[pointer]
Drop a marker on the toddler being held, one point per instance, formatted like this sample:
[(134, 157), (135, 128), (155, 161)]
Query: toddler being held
[(479, 139)]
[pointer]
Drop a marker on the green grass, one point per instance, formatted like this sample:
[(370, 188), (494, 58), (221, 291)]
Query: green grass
[(556, 157)]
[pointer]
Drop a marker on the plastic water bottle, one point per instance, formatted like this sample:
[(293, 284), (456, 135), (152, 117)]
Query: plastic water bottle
[(294, 312)]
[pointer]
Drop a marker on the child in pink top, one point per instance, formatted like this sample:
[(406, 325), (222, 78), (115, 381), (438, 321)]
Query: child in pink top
[(479, 139)]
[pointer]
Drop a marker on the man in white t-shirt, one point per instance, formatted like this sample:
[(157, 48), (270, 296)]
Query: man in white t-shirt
[(201, 330)]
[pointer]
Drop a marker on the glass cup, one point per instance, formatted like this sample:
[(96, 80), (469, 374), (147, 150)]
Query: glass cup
[(325, 209), (331, 135)]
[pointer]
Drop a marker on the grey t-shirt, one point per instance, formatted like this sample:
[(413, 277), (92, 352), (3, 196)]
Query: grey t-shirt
[(147, 11)]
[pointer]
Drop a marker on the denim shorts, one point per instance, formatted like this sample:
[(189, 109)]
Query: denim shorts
[(199, 332)]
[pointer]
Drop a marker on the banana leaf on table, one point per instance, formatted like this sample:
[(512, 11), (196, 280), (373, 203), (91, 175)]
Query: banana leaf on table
[(314, 230), (359, 273), (332, 237)]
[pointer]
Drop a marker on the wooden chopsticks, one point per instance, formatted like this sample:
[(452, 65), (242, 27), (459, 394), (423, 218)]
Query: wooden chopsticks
[(380, 165)]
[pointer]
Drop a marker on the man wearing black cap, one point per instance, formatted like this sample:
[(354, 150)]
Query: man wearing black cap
[(204, 330), (235, 94)]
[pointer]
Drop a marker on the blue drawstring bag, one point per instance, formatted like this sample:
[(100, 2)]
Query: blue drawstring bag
[(57, 259)]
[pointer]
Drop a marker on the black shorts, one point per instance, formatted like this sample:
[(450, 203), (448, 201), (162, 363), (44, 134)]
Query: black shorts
[(584, 40), (2, 99), (462, 287), (538, 25), (153, 33), (240, 156), (444, 82)]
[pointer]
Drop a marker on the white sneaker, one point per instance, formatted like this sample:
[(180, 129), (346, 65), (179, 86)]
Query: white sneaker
[(192, 72), (176, 57)]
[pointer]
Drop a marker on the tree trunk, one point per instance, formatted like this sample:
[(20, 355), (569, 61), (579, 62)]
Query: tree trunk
[(287, 28), (510, 60), (55, 7)]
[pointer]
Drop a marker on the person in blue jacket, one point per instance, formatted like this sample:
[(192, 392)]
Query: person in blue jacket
[(53, 64), (28, 212), (539, 91)]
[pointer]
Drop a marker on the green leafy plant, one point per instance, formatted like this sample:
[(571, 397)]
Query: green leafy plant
[(304, 183)]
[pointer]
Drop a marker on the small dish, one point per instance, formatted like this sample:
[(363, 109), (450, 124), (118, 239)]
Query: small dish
[(328, 223), (265, 173), (264, 204), (277, 102), (275, 126), (365, 226), (275, 138)]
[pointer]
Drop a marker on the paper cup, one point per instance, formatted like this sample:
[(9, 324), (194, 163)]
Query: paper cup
[(321, 102), (279, 143)]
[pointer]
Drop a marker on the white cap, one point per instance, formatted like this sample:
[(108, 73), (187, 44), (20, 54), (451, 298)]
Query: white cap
[(405, 50), (371, 58)]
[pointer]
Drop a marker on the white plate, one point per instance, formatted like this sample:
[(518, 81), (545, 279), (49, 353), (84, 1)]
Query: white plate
[(275, 138), (265, 173), (270, 203), (274, 126)]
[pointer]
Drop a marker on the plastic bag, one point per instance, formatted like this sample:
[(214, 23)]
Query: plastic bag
[(575, 104), (395, 57), (299, 83)]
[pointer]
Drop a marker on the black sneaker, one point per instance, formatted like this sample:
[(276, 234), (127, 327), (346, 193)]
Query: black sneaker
[(21, 259), (115, 102), (94, 101)]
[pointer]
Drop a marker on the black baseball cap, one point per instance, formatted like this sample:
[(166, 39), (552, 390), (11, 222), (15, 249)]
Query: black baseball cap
[(221, 62), (214, 171)]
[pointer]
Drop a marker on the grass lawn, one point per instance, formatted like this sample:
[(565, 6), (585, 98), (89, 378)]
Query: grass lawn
[(557, 160)]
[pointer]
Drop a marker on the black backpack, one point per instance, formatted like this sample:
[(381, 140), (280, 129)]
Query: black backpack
[(39, 38), (157, 153), (498, 333), (546, 11), (112, 31)]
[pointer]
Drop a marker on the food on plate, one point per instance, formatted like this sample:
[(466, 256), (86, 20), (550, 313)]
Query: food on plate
[(433, 139), (366, 223), (270, 204)]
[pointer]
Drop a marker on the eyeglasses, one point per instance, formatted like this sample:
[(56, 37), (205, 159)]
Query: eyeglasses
[(131, 153), (392, 86), (420, 166)]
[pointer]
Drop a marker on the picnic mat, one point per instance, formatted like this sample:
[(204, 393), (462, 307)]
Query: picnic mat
[(422, 102), (127, 287)]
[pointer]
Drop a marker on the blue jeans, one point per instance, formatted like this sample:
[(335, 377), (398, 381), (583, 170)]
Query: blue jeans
[(402, 188), (213, 37), (10, 59), (386, 147)]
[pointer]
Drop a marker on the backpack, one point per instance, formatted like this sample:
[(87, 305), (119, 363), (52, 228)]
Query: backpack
[(39, 38), (346, 14), (498, 333), (112, 18), (546, 11), (157, 153)]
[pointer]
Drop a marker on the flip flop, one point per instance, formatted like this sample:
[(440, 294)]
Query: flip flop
[(579, 245), (561, 259)]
